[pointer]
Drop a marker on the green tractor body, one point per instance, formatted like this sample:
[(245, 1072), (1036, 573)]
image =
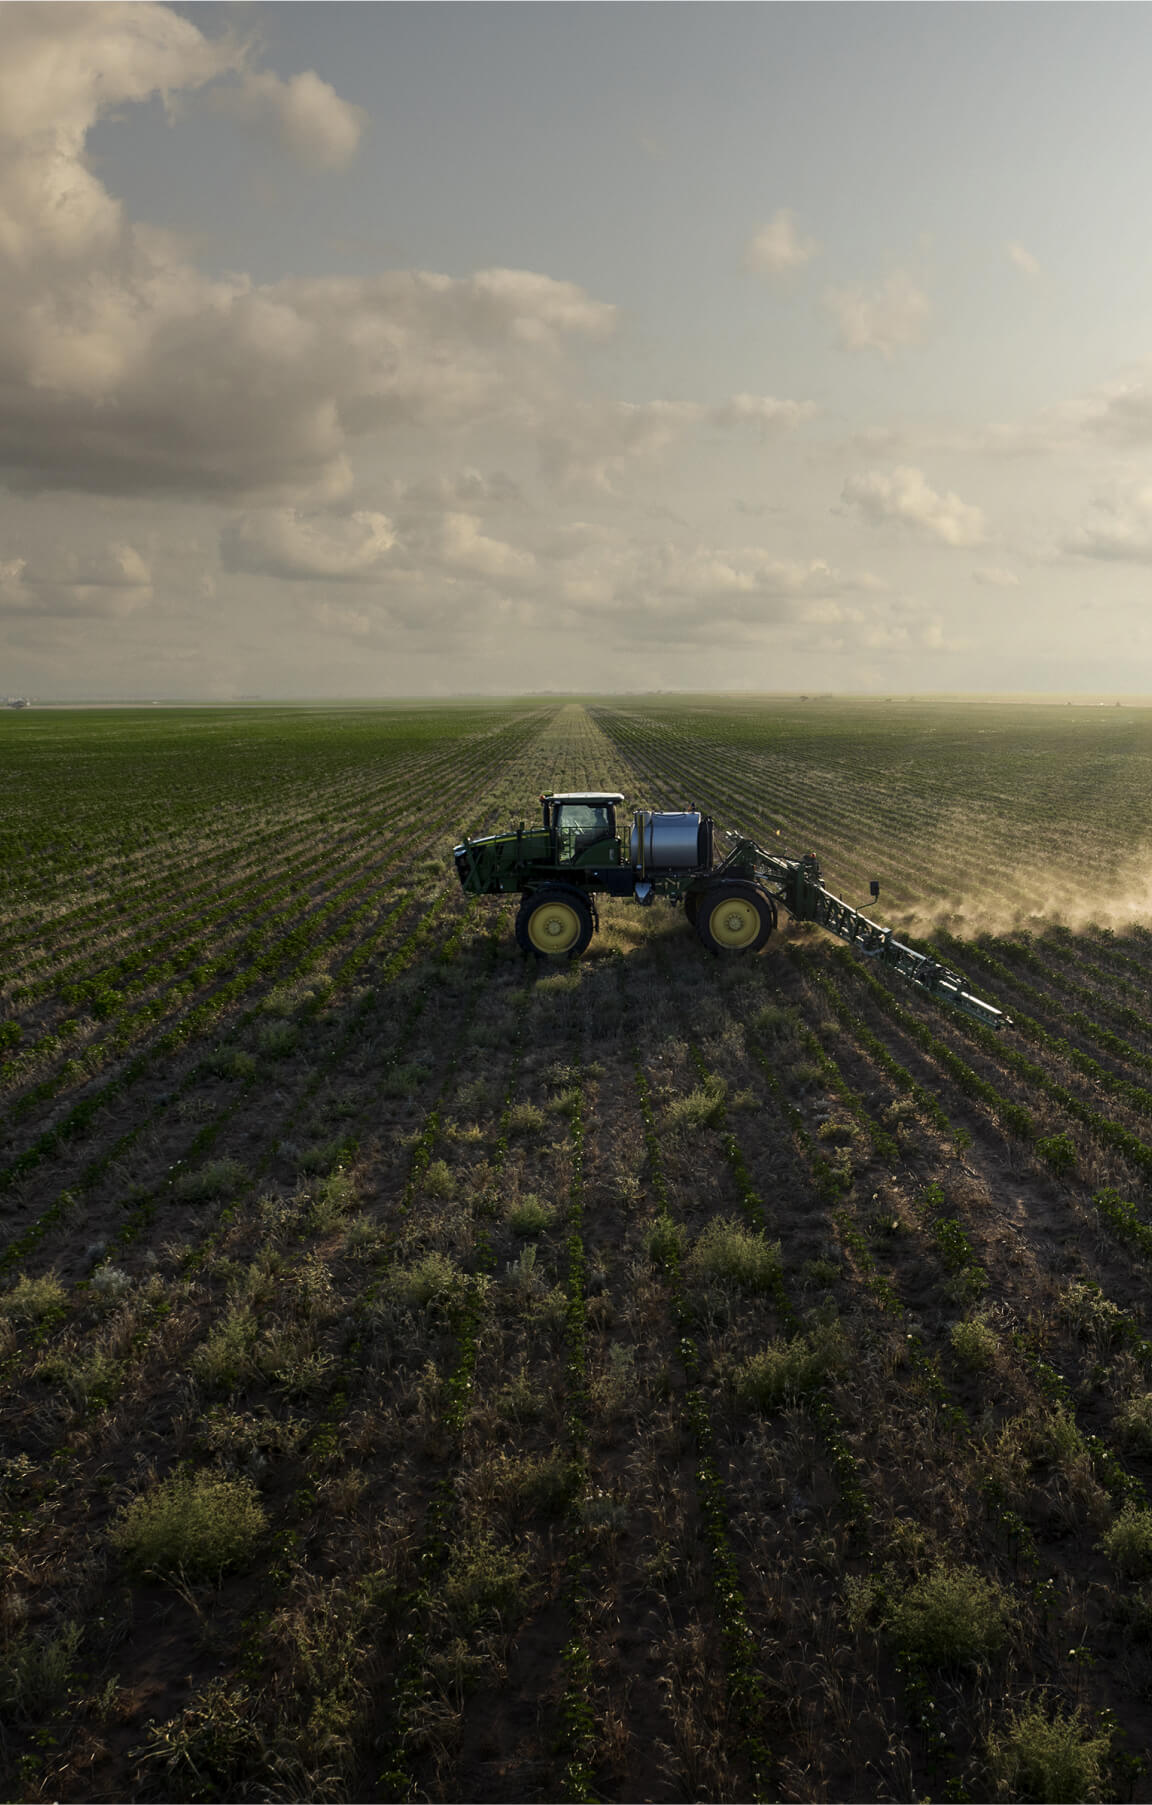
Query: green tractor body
[(576, 855)]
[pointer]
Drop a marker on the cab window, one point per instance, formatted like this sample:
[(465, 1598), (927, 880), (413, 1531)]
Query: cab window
[(580, 825)]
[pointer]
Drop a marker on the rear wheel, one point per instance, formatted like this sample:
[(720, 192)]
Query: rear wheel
[(692, 905), (554, 924), (734, 918)]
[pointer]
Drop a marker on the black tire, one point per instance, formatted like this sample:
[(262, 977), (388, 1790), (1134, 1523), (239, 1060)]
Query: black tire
[(692, 906), (554, 924), (734, 918)]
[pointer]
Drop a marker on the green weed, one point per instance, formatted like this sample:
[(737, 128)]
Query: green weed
[(193, 1523), (975, 1343), (278, 1039), (530, 1216), (525, 1119), (210, 1750), (36, 1670), (666, 1241), (737, 1255), (33, 1300), (1128, 1542), (1053, 1759), (483, 1581), (953, 1615), (1134, 1422), (701, 1108), (219, 1178), (784, 1371)]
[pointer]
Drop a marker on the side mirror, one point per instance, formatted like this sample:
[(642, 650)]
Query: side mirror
[(874, 887)]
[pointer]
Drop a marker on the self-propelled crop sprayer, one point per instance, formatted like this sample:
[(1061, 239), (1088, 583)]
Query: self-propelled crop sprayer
[(575, 855)]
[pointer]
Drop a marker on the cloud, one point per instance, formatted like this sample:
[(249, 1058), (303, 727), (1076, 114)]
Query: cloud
[(884, 317), (1023, 260), (759, 410), (991, 576), (307, 114), (592, 444), (1122, 414), (464, 547), (280, 542), (114, 581), (126, 370), (1121, 533), (777, 246), (904, 495), (468, 488)]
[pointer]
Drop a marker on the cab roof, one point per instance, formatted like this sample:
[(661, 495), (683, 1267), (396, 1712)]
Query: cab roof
[(592, 796)]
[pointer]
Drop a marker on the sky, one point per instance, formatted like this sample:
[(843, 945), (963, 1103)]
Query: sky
[(415, 350)]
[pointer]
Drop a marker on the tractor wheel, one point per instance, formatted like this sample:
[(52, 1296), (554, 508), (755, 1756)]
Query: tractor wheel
[(692, 906), (734, 918), (554, 924)]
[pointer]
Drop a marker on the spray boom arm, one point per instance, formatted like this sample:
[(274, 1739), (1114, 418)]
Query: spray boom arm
[(797, 885)]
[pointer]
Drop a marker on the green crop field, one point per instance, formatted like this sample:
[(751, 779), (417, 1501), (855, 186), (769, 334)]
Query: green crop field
[(656, 1378)]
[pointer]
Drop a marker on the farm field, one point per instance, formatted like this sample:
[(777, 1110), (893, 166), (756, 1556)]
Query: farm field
[(659, 1378)]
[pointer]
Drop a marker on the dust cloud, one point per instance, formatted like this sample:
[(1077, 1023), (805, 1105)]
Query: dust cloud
[(1042, 898)]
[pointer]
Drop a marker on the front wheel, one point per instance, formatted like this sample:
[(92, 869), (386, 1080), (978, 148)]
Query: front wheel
[(734, 918), (554, 924)]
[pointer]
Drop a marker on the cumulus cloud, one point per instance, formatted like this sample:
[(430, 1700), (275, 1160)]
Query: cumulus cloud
[(759, 410), (281, 542), (592, 444), (464, 547), (1023, 260), (882, 317), (468, 488), (124, 369), (114, 581), (1122, 414), (1120, 532), (778, 246), (904, 495), (306, 113)]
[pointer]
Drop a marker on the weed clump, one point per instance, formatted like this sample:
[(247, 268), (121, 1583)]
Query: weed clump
[(741, 1256), (439, 1180), (530, 1216), (951, 1616), (526, 1483), (193, 1523), (483, 1581), (785, 1371), (701, 1108), (1095, 1318), (36, 1670), (219, 1178), (31, 1300), (665, 1242), (210, 1750), (278, 1039), (434, 1281), (1134, 1422), (1054, 1759), (974, 1343), (525, 1119), (1128, 1542)]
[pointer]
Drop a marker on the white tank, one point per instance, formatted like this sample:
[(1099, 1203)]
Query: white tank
[(666, 842)]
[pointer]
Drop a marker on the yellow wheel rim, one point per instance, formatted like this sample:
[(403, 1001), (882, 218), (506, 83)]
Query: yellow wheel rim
[(734, 922), (554, 927)]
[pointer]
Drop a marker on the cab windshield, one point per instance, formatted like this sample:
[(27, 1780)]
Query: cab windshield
[(582, 824)]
